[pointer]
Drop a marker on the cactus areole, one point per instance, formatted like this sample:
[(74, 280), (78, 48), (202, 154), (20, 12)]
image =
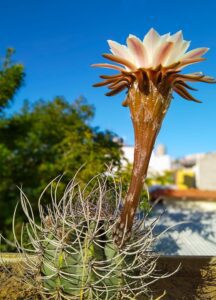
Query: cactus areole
[(150, 70)]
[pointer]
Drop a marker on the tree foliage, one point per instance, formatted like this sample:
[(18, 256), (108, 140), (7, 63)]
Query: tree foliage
[(46, 140), (11, 78)]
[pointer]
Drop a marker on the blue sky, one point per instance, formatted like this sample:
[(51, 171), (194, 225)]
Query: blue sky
[(57, 41)]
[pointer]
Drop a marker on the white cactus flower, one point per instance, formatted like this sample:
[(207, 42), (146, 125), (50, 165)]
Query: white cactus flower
[(158, 58)]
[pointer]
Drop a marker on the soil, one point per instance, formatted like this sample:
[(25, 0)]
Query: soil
[(196, 278)]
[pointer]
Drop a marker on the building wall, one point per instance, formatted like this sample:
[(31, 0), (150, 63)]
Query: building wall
[(185, 178), (206, 172), (158, 163)]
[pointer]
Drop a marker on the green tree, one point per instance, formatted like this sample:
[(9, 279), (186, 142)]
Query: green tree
[(46, 140), (11, 78)]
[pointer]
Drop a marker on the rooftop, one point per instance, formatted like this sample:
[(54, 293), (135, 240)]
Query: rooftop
[(193, 229)]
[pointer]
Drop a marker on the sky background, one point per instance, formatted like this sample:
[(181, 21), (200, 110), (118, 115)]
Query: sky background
[(57, 41)]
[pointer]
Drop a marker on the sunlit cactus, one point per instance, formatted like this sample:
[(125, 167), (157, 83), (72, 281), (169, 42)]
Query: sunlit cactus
[(71, 253), (150, 70)]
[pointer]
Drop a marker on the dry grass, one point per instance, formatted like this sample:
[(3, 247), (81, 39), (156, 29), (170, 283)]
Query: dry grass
[(10, 287), (196, 279)]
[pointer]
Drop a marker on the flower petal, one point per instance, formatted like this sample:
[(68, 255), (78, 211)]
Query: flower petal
[(178, 49), (138, 51), (162, 54), (165, 37), (177, 37), (190, 61), (195, 53), (185, 45), (150, 41), (119, 50)]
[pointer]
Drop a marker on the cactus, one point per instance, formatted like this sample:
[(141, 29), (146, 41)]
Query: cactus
[(74, 255)]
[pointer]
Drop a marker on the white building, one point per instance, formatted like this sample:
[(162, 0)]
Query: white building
[(160, 161), (205, 171), (202, 164)]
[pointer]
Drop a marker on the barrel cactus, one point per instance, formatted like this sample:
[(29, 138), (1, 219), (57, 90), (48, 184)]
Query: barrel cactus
[(72, 255)]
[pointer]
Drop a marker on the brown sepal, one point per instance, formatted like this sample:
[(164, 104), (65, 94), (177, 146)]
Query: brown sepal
[(179, 89), (120, 60)]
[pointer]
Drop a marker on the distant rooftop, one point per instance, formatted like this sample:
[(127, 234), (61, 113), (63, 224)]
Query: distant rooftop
[(197, 236)]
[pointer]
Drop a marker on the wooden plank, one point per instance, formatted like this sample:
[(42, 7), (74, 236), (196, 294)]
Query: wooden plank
[(191, 194)]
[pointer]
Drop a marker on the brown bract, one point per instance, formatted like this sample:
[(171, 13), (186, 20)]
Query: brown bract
[(163, 78)]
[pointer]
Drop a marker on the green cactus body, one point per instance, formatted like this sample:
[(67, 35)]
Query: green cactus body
[(77, 258), (81, 265)]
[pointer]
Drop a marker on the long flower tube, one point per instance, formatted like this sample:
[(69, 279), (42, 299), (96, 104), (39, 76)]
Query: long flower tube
[(150, 70)]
